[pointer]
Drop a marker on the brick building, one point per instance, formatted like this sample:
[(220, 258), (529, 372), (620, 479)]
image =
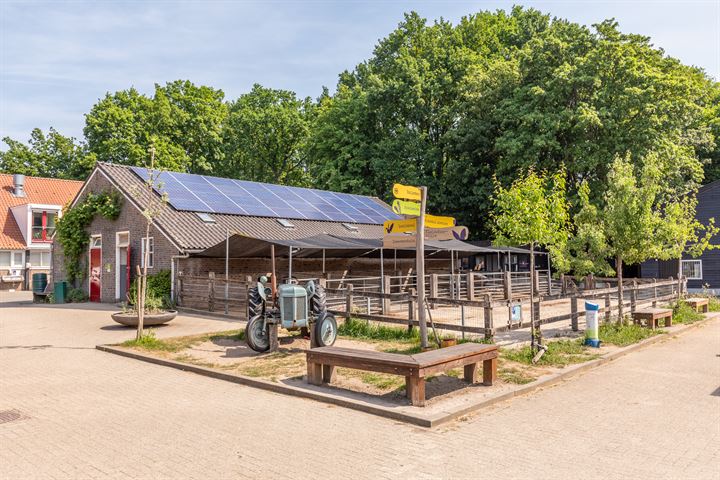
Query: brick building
[(29, 207), (181, 239)]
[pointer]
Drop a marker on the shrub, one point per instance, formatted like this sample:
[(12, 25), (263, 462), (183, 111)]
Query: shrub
[(77, 295), (157, 295), (626, 334), (684, 313)]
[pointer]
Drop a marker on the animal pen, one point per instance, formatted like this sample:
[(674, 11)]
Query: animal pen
[(463, 303)]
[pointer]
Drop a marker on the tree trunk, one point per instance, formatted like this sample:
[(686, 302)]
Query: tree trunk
[(618, 269)]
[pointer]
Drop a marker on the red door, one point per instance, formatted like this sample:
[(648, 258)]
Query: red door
[(95, 273)]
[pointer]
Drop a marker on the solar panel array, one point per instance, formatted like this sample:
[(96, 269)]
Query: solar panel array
[(201, 193)]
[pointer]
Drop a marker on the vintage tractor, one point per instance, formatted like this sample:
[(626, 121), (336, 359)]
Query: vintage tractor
[(292, 307)]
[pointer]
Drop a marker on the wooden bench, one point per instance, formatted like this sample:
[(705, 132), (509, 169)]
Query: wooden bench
[(321, 363), (652, 315), (699, 304)]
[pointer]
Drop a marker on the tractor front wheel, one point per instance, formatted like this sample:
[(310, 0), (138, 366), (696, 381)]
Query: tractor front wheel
[(257, 334), (325, 330)]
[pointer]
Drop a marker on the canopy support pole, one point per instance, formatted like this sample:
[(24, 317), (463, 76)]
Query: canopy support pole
[(227, 273), (382, 272), (290, 264), (323, 262), (395, 260), (452, 274), (274, 278)]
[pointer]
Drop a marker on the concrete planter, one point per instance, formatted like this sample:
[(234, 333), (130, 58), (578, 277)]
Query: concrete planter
[(150, 319)]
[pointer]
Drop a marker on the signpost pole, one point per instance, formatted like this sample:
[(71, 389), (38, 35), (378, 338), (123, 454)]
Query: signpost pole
[(420, 268)]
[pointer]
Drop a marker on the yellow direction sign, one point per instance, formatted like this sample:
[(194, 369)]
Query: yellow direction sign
[(457, 233), (432, 221), (407, 192), (401, 207), (399, 240), (399, 226)]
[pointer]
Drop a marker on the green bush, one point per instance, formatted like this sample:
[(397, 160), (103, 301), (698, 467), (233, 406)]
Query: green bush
[(684, 313), (77, 295), (157, 296), (625, 334), (366, 330)]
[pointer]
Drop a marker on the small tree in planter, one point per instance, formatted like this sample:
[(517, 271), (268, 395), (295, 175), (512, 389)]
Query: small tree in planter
[(153, 207), (533, 211)]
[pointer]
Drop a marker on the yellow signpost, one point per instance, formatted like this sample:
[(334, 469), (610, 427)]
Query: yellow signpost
[(399, 240), (402, 207), (407, 192), (399, 226), (433, 221)]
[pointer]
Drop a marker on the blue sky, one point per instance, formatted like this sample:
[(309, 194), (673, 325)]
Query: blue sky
[(58, 57)]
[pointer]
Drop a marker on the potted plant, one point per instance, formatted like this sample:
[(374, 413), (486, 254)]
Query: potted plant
[(448, 341)]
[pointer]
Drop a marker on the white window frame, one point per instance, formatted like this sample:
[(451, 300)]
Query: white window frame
[(41, 252), (696, 261), (120, 276), (13, 265), (151, 255)]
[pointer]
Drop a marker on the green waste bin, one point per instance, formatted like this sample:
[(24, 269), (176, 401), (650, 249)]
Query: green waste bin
[(60, 292), (39, 282)]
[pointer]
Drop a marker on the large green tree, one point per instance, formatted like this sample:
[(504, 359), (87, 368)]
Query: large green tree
[(52, 155), (265, 137), (182, 121)]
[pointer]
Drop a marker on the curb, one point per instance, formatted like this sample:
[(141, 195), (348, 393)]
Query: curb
[(428, 421)]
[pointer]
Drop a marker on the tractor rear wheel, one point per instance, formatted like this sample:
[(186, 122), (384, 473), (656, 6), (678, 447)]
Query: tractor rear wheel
[(255, 303), (319, 300), (325, 330), (257, 334)]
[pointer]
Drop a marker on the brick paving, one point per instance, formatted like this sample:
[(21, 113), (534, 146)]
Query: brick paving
[(88, 414)]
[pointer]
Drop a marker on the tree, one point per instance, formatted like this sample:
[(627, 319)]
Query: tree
[(533, 211), (623, 227), (182, 122), (52, 155), (265, 137)]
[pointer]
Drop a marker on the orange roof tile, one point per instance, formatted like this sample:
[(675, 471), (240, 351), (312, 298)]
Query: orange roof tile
[(48, 191)]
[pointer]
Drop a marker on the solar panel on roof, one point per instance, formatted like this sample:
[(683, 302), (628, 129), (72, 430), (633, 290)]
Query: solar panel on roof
[(201, 193)]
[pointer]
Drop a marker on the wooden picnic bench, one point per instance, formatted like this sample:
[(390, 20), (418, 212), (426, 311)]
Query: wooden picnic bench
[(699, 304), (321, 363), (652, 315)]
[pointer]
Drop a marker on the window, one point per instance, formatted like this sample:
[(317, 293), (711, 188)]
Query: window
[(692, 269), (40, 259), (9, 259), (150, 242), (43, 226), (205, 217), (285, 223), (350, 227), (96, 241)]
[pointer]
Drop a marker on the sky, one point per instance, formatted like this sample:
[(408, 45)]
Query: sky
[(57, 58)]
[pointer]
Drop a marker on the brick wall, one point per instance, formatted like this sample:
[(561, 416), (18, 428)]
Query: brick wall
[(130, 220)]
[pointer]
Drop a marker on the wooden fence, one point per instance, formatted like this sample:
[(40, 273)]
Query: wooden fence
[(213, 294)]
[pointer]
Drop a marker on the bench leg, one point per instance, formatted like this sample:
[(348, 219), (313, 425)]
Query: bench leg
[(471, 373), (314, 373), (415, 387), (668, 321), (328, 373), (489, 371)]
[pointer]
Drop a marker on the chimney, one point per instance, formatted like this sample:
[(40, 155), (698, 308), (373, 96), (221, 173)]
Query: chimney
[(19, 185)]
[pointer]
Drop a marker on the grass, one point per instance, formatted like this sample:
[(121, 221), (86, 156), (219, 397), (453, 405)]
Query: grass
[(684, 313), (150, 342), (514, 375), (623, 335), (369, 331), (714, 304), (559, 354)]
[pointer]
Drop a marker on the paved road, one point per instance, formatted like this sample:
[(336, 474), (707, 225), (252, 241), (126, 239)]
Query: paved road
[(653, 414)]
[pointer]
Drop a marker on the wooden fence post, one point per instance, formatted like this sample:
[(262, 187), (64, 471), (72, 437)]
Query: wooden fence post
[(211, 291), (536, 307), (590, 282), (507, 285), (574, 313), (549, 275), (608, 308), (348, 300), (633, 297), (563, 288), (386, 304), (411, 309), (654, 303), (433, 287), (470, 286), (488, 318)]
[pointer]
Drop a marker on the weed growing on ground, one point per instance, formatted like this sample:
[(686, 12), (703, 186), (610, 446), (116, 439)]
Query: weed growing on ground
[(684, 313), (514, 375), (369, 331), (150, 342), (559, 354), (625, 334), (714, 304)]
